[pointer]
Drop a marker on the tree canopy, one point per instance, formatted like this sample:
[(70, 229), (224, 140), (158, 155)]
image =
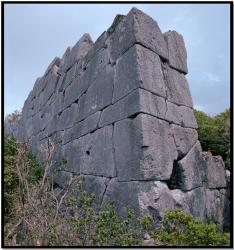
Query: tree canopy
[(214, 133)]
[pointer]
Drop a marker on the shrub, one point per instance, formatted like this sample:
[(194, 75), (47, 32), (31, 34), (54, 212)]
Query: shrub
[(45, 215), (181, 229)]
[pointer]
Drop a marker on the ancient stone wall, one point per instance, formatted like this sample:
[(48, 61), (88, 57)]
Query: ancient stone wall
[(120, 110)]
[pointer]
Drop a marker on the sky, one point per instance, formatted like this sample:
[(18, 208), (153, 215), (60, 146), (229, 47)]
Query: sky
[(35, 33)]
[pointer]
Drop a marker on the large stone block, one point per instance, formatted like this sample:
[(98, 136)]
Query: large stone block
[(86, 126), (215, 205), (53, 65), (72, 151), (137, 27), (79, 50), (57, 105), (97, 157), (176, 51), (139, 101), (189, 172), (215, 171), (180, 115), (66, 119), (96, 72), (99, 94), (70, 75), (177, 87), (95, 185), (145, 197), (185, 138), (138, 67), (144, 149)]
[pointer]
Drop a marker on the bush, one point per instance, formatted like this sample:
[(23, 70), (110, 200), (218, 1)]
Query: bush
[(45, 215), (181, 229)]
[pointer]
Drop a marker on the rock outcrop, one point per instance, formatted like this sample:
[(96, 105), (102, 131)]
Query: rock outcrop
[(121, 111)]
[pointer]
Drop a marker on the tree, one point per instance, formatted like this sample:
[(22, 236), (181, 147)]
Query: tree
[(214, 133)]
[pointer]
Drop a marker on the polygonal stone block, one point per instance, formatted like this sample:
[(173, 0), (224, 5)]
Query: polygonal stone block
[(189, 172), (138, 67), (99, 94), (79, 50), (185, 138), (136, 102), (137, 27), (176, 51), (215, 171), (66, 119), (144, 149), (97, 157), (72, 152), (88, 125), (180, 115), (177, 88)]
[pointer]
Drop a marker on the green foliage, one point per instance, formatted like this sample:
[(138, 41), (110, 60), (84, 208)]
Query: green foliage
[(112, 230), (10, 175), (35, 168), (71, 217), (181, 229), (214, 134), (11, 179)]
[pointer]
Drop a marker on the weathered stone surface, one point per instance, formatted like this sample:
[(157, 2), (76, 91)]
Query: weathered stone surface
[(93, 72), (99, 95), (80, 49), (144, 149), (146, 197), (36, 123), (57, 105), (70, 75), (177, 87), (99, 44), (227, 174), (66, 119), (215, 171), (176, 51), (185, 138), (138, 67), (215, 206), (180, 115), (88, 125), (137, 27), (95, 185), (72, 152), (121, 113), (97, 154), (188, 173), (53, 66), (136, 102)]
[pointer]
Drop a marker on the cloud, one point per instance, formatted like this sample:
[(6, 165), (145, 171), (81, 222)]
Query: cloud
[(200, 108), (212, 77)]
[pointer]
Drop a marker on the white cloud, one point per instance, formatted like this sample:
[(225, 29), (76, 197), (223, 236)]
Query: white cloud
[(212, 77), (200, 108)]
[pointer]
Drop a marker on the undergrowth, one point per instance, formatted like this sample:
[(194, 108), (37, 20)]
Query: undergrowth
[(37, 213)]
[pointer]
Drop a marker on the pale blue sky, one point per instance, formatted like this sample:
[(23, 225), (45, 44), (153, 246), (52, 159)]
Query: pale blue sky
[(36, 33)]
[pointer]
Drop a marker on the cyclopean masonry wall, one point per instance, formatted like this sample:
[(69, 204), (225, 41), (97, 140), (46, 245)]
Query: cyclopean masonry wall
[(120, 110)]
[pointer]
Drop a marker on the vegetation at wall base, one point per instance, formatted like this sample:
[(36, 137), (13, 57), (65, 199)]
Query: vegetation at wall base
[(37, 213)]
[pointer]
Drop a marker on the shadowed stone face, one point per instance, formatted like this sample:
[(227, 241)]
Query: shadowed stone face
[(120, 111)]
